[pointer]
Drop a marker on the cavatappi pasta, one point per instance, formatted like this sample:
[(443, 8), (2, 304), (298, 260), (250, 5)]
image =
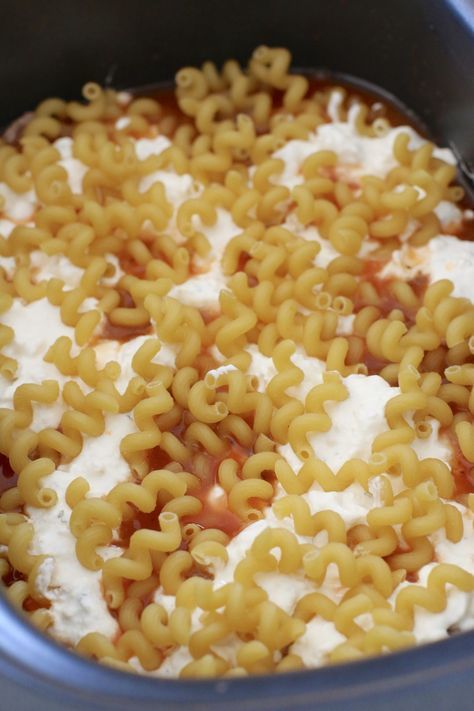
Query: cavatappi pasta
[(237, 370)]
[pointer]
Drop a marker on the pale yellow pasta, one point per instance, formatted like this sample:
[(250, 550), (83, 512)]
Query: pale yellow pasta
[(465, 435), (315, 564), (243, 491), (173, 569), (219, 401)]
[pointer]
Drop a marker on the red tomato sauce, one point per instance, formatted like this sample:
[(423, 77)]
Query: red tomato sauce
[(112, 332), (130, 266), (461, 468), (215, 512), (8, 478), (386, 304), (387, 300)]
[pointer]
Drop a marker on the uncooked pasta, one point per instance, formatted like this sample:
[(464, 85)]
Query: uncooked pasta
[(237, 371)]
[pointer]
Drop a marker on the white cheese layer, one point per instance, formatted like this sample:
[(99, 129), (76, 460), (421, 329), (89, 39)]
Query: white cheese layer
[(8, 264), (202, 290), (123, 353), (319, 638), (336, 99), (75, 593), (448, 214), (19, 207), (178, 188), (146, 147), (263, 368), (350, 435), (358, 155), (444, 257), (56, 266), (74, 168), (327, 252), (458, 614), (36, 327)]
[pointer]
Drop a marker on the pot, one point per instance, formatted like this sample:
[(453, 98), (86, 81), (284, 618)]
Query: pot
[(421, 51)]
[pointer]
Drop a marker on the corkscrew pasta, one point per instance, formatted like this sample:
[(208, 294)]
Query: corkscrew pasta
[(236, 375)]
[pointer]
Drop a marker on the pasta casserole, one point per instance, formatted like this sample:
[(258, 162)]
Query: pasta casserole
[(237, 370)]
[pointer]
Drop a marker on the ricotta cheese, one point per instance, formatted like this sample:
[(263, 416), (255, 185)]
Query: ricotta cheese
[(8, 264), (448, 214), (77, 603), (29, 346), (319, 638), (458, 613), (264, 370), (178, 188), (327, 252), (37, 325), (18, 207), (146, 147), (74, 168), (334, 105), (75, 593), (202, 290), (444, 257), (358, 154), (122, 353), (356, 421), (350, 435), (55, 266), (122, 123)]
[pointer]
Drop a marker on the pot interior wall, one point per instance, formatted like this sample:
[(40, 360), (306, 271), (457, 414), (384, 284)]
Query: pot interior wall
[(418, 50)]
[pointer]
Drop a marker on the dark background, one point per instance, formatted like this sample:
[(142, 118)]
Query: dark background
[(420, 50)]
